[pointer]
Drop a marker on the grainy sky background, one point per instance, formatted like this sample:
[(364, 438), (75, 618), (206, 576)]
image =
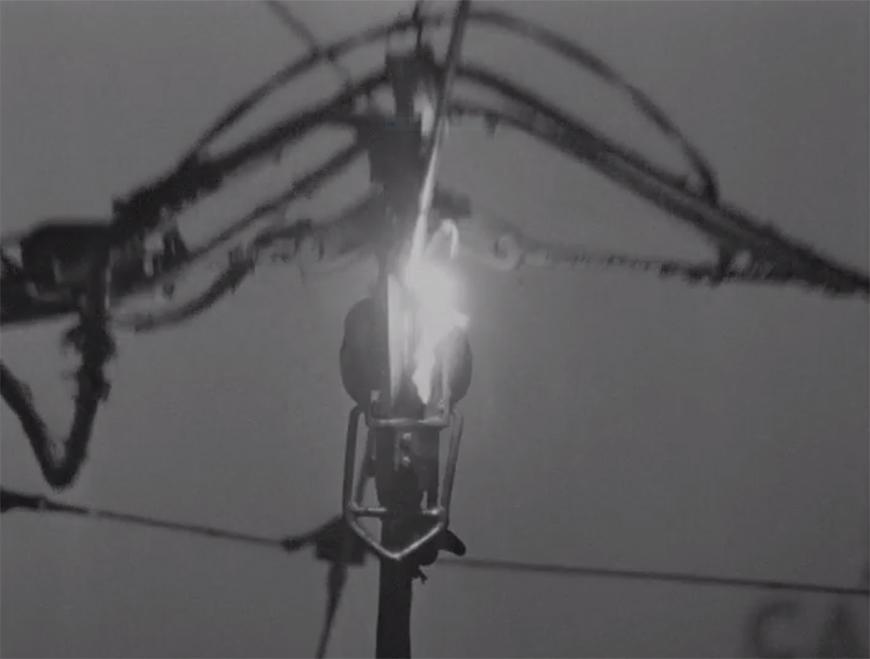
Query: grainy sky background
[(613, 420)]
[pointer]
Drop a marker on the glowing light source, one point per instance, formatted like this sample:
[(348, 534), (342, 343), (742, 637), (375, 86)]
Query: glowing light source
[(424, 312)]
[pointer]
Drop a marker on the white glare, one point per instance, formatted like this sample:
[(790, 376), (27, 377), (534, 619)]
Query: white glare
[(434, 293)]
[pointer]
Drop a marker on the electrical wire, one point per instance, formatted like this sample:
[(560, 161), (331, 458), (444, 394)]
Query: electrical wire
[(298, 27), (12, 500), (653, 575)]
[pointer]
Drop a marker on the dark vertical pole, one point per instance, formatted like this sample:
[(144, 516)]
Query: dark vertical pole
[(394, 604), (399, 492)]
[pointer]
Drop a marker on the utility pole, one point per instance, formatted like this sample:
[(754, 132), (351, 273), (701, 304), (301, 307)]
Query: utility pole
[(393, 639)]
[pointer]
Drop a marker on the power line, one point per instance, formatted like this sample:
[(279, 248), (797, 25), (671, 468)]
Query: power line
[(286, 16), (649, 575), (12, 500), (330, 541)]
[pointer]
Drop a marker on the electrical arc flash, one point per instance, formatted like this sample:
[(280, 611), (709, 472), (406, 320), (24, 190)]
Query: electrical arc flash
[(423, 309)]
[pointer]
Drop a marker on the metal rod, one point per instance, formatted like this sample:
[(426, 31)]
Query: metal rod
[(375, 511), (427, 190)]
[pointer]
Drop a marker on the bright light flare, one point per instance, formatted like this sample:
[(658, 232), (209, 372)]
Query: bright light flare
[(433, 294)]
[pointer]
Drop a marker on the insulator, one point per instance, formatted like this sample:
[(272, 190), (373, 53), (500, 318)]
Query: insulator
[(363, 362)]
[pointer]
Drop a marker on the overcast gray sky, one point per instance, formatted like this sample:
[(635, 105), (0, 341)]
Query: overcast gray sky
[(613, 420)]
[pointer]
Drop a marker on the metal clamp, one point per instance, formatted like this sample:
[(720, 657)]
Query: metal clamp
[(438, 495)]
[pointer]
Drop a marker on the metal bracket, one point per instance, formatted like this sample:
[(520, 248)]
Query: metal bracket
[(354, 489)]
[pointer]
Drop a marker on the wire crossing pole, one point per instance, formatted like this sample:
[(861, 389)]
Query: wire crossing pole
[(393, 640)]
